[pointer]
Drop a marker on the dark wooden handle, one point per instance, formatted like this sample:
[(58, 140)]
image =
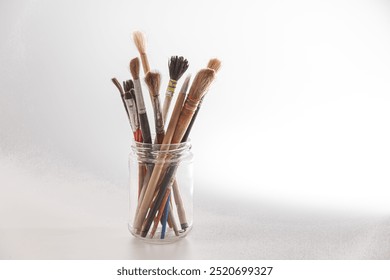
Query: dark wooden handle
[(143, 119)]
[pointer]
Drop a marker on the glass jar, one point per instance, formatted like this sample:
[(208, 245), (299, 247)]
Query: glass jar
[(161, 191)]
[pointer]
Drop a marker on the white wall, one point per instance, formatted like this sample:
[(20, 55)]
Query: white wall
[(299, 113)]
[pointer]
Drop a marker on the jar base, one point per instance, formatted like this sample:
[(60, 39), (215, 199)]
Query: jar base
[(170, 236)]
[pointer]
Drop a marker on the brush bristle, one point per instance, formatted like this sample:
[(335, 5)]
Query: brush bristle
[(131, 84), (118, 85), (152, 80), (201, 83), (214, 64), (177, 67), (139, 41), (128, 85), (134, 68)]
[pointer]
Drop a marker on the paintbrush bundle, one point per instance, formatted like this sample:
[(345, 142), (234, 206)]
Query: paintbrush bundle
[(161, 176)]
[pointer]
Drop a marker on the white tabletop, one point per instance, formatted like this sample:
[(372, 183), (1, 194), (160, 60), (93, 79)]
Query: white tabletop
[(70, 216)]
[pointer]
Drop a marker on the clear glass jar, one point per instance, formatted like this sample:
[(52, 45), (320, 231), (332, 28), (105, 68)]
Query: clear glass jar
[(161, 191)]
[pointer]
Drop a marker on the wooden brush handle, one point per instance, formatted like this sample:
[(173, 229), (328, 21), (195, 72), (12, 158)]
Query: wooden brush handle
[(160, 138), (164, 186), (168, 98), (171, 218), (143, 206), (143, 119), (179, 206), (167, 103), (189, 128), (145, 63), (158, 117), (186, 115)]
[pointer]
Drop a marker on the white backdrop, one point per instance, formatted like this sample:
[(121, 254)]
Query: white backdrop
[(298, 116)]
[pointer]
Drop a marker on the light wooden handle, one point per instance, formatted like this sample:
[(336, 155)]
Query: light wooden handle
[(186, 115), (145, 63)]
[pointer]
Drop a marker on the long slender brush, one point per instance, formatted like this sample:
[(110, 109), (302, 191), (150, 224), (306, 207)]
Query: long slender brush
[(143, 118), (199, 87), (138, 126), (214, 64), (152, 80), (140, 43), (132, 108), (151, 187), (177, 66)]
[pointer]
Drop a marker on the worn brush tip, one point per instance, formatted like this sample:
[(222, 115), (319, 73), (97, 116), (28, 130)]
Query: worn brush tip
[(139, 41), (214, 64), (118, 85), (177, 67), (128, 85), (201, 83), (134, 68), (131, 84), (152, 80)]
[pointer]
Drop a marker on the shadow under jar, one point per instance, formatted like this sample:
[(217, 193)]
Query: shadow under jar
[(161, 191)]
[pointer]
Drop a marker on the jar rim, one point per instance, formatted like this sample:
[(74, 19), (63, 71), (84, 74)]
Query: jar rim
[(176, 147)]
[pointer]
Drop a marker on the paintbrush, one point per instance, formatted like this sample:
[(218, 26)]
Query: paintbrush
[(214, 64), (140, 43), (138, 126), (143, 206), (119, 87), (177, 66), (143, 118), (199, 87), (152, 80)]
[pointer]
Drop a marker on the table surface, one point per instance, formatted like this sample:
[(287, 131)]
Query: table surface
[(56, 216)]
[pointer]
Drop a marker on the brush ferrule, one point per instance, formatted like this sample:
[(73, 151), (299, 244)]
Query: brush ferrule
[(138, 96)]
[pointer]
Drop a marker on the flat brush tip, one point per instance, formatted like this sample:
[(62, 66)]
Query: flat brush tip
[(152, 80), (177, 67), (134, 68), (201, 83), (117, 84)]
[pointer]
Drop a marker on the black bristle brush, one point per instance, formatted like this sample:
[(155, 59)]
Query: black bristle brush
[(177, 66)]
